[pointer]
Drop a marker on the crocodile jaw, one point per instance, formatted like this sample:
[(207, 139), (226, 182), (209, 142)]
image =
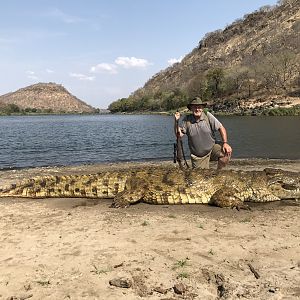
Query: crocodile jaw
[(285, 191)]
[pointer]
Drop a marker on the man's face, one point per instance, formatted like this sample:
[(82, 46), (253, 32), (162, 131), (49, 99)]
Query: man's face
[(197, 110)]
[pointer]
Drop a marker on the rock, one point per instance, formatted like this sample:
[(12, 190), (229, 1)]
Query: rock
[(160, 290), (23, 297), (121, 282), (220, 282), (119, 265), (180, 288)]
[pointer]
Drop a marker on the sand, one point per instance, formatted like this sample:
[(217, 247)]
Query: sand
[(83, 249)]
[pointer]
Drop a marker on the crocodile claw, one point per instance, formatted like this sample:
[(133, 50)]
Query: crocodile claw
[(118, 204), (120, 200)]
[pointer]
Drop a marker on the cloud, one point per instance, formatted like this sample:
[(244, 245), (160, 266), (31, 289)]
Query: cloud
[(104, 68), (121, 61), (82, 76), (172, 61), (49, 71), (31, 75), (57, 13), (132, 62)]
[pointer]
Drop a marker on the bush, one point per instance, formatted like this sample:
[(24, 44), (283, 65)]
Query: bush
[(11, 109), (283, 111)]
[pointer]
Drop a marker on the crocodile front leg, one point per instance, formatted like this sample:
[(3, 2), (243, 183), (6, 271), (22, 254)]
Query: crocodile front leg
[(126, 198), (228, 197)]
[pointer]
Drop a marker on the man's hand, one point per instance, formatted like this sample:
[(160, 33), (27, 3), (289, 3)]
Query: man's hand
[(177, 115), (177, 129), (227, 149)]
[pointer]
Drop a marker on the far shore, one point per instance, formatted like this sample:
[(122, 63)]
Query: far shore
[(293, 111)]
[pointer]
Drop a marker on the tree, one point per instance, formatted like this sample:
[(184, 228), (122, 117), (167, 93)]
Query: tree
[(12, 108), (238, 81), (276, 71), (215, 78), (285, 66), (197, 86)]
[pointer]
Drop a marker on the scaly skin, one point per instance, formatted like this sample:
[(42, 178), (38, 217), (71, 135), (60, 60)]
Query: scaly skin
[(166, 185)]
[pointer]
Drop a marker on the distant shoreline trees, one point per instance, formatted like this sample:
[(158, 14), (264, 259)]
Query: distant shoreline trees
[(13, 109)]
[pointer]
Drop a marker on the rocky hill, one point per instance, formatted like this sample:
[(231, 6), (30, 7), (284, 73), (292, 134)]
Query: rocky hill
[(46, 97), (255, 59)]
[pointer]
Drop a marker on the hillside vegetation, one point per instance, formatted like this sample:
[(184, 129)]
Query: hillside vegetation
[(251, 66)]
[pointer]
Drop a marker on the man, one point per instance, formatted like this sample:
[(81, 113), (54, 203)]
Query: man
[(199, 128)]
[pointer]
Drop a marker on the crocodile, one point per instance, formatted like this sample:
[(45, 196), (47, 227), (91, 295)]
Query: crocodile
[(165, 185)]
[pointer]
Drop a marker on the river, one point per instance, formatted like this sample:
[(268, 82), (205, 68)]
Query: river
[(65, 140)]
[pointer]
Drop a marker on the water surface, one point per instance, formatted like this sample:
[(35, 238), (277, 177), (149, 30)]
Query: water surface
[(30, 141)]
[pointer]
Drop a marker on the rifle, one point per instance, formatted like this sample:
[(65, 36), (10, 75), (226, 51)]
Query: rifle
[(178, 150)]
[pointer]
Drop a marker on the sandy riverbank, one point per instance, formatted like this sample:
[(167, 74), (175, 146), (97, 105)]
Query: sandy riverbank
[(73, 248)]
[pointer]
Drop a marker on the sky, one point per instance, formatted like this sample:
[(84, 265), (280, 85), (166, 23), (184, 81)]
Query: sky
[(103, 50)]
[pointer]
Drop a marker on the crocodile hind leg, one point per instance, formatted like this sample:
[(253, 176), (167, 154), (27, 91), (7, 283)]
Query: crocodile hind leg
[(227, 197)]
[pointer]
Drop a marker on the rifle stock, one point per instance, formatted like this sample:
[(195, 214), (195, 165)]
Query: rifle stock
[(178, 150), (175, 153)]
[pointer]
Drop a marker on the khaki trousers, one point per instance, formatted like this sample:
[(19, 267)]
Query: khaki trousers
[(203, 162)]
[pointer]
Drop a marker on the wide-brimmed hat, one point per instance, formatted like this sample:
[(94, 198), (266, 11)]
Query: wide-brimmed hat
[(196, 101)]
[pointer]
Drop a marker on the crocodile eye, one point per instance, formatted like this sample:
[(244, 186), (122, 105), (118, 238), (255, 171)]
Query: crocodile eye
[(288, 186)]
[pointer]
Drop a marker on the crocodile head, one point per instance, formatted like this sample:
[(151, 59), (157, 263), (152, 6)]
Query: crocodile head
[(283, 184)]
